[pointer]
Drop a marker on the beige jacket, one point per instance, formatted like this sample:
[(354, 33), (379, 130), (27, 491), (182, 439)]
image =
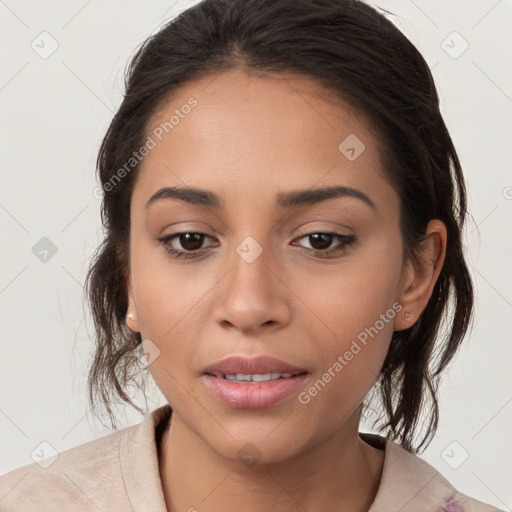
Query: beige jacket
[(120, 472)]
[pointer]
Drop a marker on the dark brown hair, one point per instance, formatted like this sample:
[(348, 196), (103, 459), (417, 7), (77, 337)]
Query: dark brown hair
[(351, 49)]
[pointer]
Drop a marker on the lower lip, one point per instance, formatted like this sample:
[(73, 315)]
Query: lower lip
[(241, 395)]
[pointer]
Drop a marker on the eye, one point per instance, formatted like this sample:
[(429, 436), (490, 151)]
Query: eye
[(321, 242), (191, 243)]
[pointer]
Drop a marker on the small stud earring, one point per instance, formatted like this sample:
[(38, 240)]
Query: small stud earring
[(407, 315), (130, 315)]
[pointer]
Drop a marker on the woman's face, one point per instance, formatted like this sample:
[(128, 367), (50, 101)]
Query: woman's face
[(264, 281)]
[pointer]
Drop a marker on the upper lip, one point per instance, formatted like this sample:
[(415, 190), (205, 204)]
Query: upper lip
[(254, 365)]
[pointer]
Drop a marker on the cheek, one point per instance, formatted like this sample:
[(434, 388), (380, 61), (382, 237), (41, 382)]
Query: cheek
[(169, 309), (351, 297), (357, 303), (167, 295), (168, 303)]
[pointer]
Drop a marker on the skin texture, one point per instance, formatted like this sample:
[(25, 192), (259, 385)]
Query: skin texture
[(248, 138)]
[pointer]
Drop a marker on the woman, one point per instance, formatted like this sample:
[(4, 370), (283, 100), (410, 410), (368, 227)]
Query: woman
[(283, 209)]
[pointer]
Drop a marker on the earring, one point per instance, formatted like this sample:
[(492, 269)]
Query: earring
[(407, 315), (130, 315)]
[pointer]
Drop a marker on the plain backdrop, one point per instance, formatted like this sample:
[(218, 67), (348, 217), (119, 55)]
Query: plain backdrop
[(54, 111)]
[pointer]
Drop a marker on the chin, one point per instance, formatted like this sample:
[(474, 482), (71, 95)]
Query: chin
[(258, 442)]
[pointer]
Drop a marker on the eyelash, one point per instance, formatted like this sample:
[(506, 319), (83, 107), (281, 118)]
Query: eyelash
[(346, 242)]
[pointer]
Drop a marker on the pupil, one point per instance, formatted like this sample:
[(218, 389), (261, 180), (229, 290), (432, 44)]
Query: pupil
[(194, 241), (319, 236), (191, 241)]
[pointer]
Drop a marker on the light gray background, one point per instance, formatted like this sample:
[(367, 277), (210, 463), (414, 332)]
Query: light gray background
[(54, 112)]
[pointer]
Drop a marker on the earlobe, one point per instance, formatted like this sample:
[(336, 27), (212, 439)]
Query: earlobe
[(131, 318), (420, 275)]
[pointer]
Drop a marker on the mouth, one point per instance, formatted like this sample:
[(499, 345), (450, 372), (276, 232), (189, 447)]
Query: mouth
[(253, 394), (254, 378), (261, 368), (254, 383)]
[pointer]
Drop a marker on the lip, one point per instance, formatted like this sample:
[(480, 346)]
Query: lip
[(250, 395), (260, 364), (246, 395)]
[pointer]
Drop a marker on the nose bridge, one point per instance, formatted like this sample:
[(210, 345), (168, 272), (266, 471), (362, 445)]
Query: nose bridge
[(252, 295), (252, 261), (251, 279)]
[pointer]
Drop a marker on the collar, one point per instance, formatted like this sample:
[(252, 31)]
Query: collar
[(408, 483)]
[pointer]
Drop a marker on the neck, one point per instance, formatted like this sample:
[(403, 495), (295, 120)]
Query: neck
[(340, 473)]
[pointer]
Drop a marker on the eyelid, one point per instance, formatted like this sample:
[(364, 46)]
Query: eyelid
[(302, 232), (339, 229), (345, 243)]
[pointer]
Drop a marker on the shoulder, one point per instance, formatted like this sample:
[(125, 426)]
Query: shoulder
[(70, 478), (410, 484)]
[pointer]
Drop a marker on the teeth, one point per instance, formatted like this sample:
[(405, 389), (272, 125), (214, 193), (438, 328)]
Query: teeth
[(255, 377), (260, 377)]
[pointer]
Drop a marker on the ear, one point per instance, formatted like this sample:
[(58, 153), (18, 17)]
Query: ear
[(420, 274), (131, 313)]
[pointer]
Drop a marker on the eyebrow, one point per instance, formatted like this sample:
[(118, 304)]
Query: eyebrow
[(290, 199)]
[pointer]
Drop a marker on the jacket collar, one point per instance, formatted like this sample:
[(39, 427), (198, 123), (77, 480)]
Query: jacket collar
[(408, 483)]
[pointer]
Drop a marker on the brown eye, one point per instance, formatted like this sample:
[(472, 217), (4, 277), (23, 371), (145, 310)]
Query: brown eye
[(184, 245), (320, 242), (191, 241)]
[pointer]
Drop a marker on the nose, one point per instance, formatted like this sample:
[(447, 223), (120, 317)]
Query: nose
[(252, 296)]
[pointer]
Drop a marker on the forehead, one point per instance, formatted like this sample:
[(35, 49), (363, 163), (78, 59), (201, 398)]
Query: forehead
[(246, 101), (247, 130)]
